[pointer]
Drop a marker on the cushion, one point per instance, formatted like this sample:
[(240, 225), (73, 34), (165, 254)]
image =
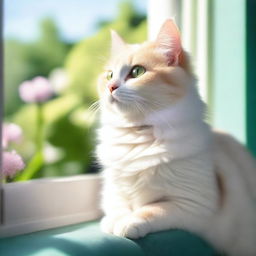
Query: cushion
[(86, 239)]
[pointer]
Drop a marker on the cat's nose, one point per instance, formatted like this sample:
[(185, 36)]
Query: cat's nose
[(112, 87)]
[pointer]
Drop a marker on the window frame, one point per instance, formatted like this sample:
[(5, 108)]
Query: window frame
[(73, 200), (1, 108), (16, 220), (86, 203)]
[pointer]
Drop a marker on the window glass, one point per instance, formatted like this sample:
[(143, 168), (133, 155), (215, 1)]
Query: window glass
[(53, 52)]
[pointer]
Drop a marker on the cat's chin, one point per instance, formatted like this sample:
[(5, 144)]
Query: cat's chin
[(113, 99), (124, 110)]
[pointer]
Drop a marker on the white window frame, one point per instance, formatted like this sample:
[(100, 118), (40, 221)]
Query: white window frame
[(48, 203), (194, 32)]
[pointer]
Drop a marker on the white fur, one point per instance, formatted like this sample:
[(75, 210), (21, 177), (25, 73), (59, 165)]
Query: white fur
[(166, 164)]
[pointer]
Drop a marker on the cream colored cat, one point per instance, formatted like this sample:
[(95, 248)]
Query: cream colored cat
[(163, 165)]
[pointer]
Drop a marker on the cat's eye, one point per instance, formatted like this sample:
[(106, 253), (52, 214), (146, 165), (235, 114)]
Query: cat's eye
[(137, 71), (109, 75)]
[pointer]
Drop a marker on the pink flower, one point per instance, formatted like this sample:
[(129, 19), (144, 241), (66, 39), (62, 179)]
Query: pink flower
[(12, 163), (36, 90), (10, 132)]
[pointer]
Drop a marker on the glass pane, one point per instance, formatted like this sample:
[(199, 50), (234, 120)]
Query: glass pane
[(54, 51)]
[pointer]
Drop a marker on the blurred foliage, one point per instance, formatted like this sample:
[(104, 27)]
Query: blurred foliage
[(24, 61), (69, 124), (16, 70)]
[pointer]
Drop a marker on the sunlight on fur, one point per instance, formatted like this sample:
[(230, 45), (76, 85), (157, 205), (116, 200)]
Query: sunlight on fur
[(163, 166)]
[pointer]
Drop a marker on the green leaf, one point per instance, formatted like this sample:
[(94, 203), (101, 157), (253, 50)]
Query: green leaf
[(35, 165)]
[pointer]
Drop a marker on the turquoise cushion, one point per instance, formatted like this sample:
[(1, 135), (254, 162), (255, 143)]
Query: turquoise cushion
[(86, 239)]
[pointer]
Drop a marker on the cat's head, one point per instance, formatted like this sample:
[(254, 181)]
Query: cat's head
[(142, 78)]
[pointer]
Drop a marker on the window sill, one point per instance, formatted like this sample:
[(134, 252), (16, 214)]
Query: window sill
[(48, 203)]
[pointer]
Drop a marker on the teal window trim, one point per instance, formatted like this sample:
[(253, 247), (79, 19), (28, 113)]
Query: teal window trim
[(251, 74), (228, 73), (233, 78)]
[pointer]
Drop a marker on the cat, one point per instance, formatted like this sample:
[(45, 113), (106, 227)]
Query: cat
[(164, 167)]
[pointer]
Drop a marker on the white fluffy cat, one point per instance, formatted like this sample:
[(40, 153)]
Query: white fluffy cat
[(163, 165)]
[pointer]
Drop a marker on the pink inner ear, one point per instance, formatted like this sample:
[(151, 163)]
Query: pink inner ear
[(169, 41)]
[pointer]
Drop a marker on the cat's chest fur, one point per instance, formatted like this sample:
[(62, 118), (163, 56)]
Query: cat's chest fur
[(130, 149), (143, 168)]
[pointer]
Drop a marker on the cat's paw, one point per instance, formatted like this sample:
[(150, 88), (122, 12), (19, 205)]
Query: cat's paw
[(107, 224), (131, 227)]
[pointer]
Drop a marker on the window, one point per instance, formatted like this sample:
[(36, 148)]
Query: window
[(221, 43), (63, 54), (47, 46)]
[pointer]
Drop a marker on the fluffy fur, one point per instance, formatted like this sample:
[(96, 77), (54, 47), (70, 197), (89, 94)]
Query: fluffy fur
[(163, 165)]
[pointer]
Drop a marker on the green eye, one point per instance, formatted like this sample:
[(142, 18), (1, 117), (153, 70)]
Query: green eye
[(137, 71), (109, 74)]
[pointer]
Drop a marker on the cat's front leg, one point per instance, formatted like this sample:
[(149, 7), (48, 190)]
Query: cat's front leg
[(161, 216), (114, 206)]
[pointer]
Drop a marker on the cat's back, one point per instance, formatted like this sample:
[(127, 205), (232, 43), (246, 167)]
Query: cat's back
[(236, 171), (233, 159)]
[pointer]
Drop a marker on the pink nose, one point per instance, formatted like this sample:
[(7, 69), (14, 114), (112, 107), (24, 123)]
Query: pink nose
[(112, 87)]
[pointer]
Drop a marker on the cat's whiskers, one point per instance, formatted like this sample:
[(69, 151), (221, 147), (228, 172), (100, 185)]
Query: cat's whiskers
[(147, 102), (155, 103), (124, 96), (94, 108), (140, 108)]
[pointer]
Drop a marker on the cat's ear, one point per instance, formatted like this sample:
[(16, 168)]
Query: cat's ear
[(117, 43), (169, 42)]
